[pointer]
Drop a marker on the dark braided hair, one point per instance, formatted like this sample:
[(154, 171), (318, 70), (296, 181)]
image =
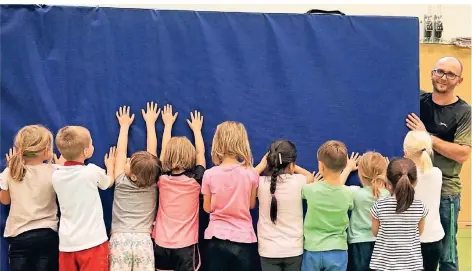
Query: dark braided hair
[(282, 153)]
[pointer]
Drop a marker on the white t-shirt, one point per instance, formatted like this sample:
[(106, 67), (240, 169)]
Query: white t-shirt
[(285, 238), (428, 190), (81, 224)]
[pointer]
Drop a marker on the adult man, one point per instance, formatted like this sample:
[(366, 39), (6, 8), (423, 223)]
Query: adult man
[(447, 118)]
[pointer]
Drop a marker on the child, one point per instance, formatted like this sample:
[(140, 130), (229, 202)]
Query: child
[(134, 204), (229, 192), (372, 167), (26, 183), (83, 240), (176, 230), (327, 219), (398, 221), (280, 226), (418, 147)]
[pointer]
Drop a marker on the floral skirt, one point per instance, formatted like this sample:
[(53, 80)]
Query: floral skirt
[(131, 251)]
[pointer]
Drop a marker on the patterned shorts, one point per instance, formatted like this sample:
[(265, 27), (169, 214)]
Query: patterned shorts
[(131, 251)]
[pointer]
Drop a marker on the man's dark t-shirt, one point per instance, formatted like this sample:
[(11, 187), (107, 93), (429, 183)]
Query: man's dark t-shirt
[(450, 123)]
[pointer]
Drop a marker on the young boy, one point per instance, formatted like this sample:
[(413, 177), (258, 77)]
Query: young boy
[(326, 220), (83, 241)]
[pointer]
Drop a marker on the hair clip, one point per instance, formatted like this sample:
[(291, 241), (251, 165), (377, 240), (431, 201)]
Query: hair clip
[(273, 195), (280, 158), (423, 149)]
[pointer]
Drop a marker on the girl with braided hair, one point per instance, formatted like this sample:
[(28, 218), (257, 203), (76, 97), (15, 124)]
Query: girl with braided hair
[(280, 226)]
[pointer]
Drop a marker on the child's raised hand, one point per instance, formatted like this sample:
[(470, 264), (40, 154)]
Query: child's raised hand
[(152, 112), (59, 161), (317, 177), (352, 161), (10, 154), (110, 158), (196, 121), (123, 116), (167, 116)]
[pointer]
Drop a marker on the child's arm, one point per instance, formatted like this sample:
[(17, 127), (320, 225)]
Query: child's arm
[(110, 165), (4, 193), (309, 176), (255, 185), (150, 117), (168, 120), (125, 121), (253, 197), (262, 165), (196, 124), (375, 226), (421, 226), (350, 167), (207, 203)]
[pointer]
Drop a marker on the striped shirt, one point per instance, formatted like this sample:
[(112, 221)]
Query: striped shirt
[(397, 246)]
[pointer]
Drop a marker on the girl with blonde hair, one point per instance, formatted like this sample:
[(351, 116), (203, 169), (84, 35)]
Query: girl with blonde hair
[(418, 147), (372, 167), (26, 184), (229, 191)]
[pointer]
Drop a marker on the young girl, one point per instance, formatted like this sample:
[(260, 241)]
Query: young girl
[(418, 147), (280, 226), (372, 167), (26, 183), (176, 228), (398, 221), (134, 205), (229, 192)]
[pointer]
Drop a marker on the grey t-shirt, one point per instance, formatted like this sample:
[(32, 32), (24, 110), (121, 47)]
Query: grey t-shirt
[(134, 208)]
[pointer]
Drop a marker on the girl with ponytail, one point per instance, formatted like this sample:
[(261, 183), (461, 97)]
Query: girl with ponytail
[(418, 147), (26, 184), (398, 221), (372, 167), (280, 225)]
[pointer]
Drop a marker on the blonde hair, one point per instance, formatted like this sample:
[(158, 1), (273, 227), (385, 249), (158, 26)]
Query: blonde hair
[(146, 167), (372, 169), (333, 154), (71, 141), (178, 154), (231, 140), (30, 142), (418, 146)]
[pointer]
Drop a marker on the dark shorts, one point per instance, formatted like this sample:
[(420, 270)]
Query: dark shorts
[(281, 264), (178, 259)]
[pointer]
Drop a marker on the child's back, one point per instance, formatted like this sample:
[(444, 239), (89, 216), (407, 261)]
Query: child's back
[(81, 206), (230, 187), (33, 200), (134, 207), (179, 202), (326, 219), (360, 223), (428, 190)]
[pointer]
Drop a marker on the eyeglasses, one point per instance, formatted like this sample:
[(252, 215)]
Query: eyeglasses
[(441, 73)]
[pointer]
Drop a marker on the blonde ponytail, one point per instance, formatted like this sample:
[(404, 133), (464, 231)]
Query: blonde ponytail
[(418, 146), (425, 160), (17, 167), (378, 183)]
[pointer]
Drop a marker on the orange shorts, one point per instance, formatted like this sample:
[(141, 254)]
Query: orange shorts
[(92, 259)]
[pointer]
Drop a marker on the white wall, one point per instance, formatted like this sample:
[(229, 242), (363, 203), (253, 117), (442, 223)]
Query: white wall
[(456, 18)]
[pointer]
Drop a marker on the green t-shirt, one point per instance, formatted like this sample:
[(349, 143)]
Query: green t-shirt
[(450, 123), (360, 224), (326, 219)]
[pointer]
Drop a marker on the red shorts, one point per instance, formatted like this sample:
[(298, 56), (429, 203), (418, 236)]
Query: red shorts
[(92, 259)]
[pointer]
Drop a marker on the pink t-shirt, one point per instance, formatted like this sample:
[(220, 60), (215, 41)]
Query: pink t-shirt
[(230, 189), (177, 216)]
